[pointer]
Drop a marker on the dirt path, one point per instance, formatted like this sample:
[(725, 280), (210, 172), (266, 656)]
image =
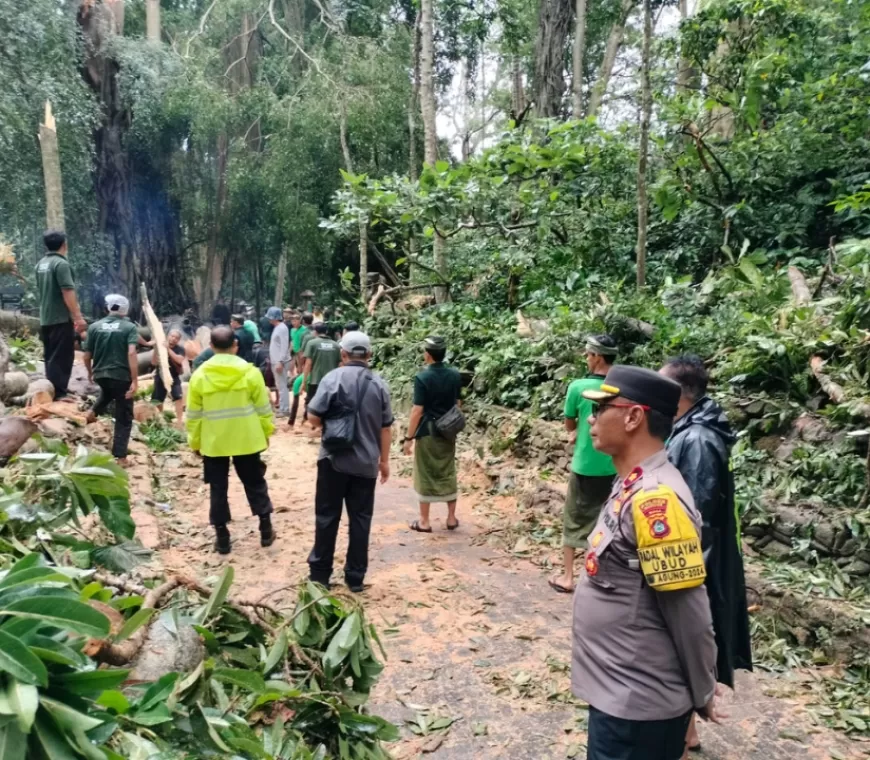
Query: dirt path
[(472, 633)]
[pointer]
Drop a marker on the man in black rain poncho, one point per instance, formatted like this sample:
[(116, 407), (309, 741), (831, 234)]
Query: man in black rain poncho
[(700, 448)]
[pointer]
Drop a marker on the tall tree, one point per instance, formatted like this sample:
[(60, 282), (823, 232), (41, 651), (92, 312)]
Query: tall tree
[(152, 20), (428, 107), (554, 21), (579, 54), (611, 50), (54, 216), (643, 151)]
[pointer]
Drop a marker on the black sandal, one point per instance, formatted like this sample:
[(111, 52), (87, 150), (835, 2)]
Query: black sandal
[(416, 526), (453, 527)]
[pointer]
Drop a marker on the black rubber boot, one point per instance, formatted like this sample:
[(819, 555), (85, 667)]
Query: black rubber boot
[(222, 543), (267, 533)]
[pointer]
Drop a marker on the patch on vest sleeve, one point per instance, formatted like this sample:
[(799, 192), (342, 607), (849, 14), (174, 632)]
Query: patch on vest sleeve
[(668, 545)]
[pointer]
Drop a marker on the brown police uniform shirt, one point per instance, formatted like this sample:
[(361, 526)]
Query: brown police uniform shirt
[(638, 653)]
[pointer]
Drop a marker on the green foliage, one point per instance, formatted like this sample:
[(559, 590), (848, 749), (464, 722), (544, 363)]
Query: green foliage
[(160, 436)]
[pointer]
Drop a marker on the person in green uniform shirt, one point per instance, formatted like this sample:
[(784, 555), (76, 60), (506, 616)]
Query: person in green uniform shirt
[(306, 335), (243, 338), (60, 316), (294, 407), (322, 355), (591, 471), (111, 361)]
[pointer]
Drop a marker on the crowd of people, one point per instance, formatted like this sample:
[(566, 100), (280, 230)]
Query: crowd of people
[(660, 615)]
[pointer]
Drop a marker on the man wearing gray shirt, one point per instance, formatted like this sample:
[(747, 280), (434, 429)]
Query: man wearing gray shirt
[(348, 475), (279, 356), (644, 655)]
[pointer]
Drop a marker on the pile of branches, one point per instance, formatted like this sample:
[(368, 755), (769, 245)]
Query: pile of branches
[(95, 664)]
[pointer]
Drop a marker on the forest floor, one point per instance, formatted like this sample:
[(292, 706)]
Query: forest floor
[(472, 631)]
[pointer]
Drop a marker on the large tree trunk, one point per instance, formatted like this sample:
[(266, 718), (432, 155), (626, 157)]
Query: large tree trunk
[(427, 102), (554, 20), (152, 20), (643, 151), (579, 54), (281, 277), (363, 223), (686, 74), (214, 257), (614, 42), (414, 100), (518, 95)]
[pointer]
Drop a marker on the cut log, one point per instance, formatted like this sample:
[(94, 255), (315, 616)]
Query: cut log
[(14, 433), (159, 337), (56, 409), (145, 365), (13, 384), (835, 391), (39, 392), (12, 322), (799, 289)]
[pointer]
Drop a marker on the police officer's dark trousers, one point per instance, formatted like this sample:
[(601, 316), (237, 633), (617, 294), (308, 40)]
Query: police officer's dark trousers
[(612, 738), (59, 344), (116, 390), (358, 494), (251, 471)]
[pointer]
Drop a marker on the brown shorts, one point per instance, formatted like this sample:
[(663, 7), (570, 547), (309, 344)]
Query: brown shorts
[(586, 495)]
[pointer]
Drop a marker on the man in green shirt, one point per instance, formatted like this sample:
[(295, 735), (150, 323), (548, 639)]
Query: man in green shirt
[(322, 355), (111, 361), (59, 314), (306, 334), (592, 472)]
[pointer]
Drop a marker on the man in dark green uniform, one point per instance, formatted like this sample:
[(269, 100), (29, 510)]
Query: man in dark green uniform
[(59, 314), (306, 335), (111, 361), (592, 472), (322, 355), (243, 337)]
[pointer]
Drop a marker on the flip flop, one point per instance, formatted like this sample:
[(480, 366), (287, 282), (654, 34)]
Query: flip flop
[(559, 587), (416, 526), (695, 747), (453, 527)]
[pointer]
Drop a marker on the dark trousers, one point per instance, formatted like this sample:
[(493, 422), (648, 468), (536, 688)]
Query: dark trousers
[(294, 409), (310, 393), (116, 390), (613, 738), (251, 471), (59, 344), (358, 494)]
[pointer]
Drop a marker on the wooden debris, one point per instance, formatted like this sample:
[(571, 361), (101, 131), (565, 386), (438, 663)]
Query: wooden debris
[(799, 289), (56, 409), (159, 337)]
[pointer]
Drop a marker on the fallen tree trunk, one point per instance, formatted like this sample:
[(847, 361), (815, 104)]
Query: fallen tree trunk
[(13, 322), (835, 391), (145, 365), (159, 337), (14, 433), (799, 289), (13, 384)]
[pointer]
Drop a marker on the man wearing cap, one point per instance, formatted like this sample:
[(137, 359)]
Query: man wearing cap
[(349, 475), (322, 355), (279, 356), (644, 655), (437, 390), (60, 316), (111, 361), (592, 472)]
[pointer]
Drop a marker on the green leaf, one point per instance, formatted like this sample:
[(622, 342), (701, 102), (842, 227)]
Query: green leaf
[(67, 717), (218, 596), (49, 650), (342, 641), (134, 623), (114, 700), (28, 561), (17, 660), (61, 613), (13, 743), (751, 272), (204, 731), (121, 558), (23, 698), (209, 639), (34, 575), (276, 653), (50, 740), (245, 678), (115, 514), (250, 748), (158, 691), (441, 166), (91, 683)]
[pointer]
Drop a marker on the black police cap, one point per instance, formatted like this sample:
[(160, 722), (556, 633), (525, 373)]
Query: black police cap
[(643, 386)]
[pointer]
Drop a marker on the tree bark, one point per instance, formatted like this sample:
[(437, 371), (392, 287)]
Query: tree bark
[(643, 151), (428, 107), (554, 20), (152, 20), (686, 73), (281, 276), (614, 42), (414, 100), (579, 55), (518, 95), (54, 217), (214, 265)]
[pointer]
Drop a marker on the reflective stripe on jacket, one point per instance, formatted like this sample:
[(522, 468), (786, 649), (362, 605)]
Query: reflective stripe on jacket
[(228, 408)]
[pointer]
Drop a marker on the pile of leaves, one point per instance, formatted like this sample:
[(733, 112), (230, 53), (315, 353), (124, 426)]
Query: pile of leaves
[(268, 685), (160, 436)]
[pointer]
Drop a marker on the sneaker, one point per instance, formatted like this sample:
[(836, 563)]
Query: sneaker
[(222, 543), (267, 533), (357, 588)]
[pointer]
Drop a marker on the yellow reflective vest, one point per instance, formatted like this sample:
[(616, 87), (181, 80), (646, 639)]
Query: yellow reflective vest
[(228, 408)]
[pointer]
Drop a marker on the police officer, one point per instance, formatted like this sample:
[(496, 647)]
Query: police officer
[(644, 656)]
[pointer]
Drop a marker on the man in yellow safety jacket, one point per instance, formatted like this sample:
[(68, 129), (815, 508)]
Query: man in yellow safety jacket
[(229, 415)]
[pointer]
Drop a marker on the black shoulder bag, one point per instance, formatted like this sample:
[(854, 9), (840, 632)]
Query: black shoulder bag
[(339, 432), (451, 424)]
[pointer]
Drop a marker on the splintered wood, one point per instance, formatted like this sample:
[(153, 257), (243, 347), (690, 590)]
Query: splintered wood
[(56, 409), (159, 337)]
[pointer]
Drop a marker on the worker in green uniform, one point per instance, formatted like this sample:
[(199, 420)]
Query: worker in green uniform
[(322, 355), (60, 316), (644, 654), (592, 472), (111, 360), (306, 335)]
